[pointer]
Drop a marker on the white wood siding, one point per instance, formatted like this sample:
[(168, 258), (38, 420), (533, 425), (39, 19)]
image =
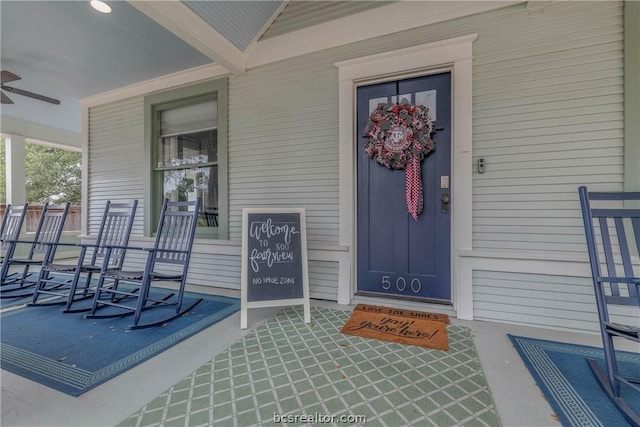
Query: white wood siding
[(543, 300), (116, 172), (283, 145), (283, 149), (116, 159), (548, 117)]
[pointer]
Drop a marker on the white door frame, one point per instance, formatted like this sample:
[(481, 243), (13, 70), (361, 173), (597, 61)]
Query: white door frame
[(456, 55)]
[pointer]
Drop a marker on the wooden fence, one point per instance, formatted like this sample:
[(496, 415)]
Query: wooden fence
[(74, 217)]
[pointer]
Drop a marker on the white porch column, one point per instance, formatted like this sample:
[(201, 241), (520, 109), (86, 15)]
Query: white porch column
[(15, 166)]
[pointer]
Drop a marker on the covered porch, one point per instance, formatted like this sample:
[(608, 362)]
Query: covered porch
[(544, 96), (518, 400)]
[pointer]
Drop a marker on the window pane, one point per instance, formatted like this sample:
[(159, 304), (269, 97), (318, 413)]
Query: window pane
[(188, 184), (191, 149), (428, 99)]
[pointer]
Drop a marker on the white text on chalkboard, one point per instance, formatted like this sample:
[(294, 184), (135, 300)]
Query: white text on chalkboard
[(268, 229), (273, 281), (270, 257)]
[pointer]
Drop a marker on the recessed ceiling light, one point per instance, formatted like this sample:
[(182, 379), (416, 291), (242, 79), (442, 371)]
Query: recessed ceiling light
[(100, 6)]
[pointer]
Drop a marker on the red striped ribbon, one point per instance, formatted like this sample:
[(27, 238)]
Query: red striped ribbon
[(414, 188)]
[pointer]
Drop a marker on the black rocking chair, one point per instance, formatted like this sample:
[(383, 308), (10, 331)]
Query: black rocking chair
[(616, 282), (48, 232), (54, 280), (168, 261)]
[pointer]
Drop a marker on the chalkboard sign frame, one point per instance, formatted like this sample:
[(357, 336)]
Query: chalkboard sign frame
[(302, 262)]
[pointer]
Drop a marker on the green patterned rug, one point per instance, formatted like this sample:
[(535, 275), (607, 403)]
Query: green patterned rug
[(289, 373)]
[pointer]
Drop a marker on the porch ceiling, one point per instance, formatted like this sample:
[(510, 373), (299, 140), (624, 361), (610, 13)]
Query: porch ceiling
[(69, 51)]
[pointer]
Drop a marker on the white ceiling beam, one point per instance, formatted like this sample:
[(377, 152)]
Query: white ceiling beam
[(265, 27), (169, 81), (186, 24), (34, 131)]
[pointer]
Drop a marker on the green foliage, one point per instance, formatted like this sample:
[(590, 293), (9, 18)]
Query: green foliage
[(52, 174)]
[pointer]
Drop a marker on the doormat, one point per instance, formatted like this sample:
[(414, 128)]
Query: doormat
[(398, 325), (392, 311)]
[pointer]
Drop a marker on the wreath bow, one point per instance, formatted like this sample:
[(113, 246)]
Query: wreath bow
[(398, 136)]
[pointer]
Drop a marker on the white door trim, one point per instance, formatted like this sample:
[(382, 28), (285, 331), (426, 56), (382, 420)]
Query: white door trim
[(457, 55)]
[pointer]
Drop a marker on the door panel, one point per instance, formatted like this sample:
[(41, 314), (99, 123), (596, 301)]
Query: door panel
[(397, 255)]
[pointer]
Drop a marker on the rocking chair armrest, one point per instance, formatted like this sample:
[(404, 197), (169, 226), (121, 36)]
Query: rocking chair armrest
[(175, 251), (60, 244), (134, 248), (91, 245), (28, 242), (141, 248), (630, 280)]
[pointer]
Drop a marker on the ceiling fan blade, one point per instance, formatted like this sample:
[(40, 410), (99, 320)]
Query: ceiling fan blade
[(8, 76), (31, 95), (6, 99)]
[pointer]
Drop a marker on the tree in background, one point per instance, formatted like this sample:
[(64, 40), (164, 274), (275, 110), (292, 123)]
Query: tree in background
[(52, 175)]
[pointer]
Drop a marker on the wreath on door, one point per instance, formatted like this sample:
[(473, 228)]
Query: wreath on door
[(398, 136)]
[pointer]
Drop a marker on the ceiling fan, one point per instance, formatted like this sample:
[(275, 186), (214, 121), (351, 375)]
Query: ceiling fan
[(7, 77)]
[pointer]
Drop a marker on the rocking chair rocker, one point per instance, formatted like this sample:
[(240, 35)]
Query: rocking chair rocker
[(619, 241), (54, 280), (48, 232), (168, 261)]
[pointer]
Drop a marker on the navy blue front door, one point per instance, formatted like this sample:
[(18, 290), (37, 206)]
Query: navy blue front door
[(397, 255)]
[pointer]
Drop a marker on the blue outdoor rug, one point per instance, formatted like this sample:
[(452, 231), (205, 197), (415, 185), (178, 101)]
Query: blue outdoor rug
[(10, 302), (7, 302), (565, 378), (72, 354)]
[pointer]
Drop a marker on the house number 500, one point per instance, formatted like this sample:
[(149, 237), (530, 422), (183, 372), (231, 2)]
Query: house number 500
[(401, 284)]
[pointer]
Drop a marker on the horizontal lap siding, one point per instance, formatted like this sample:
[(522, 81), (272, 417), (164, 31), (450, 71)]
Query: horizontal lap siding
[(215, 270), (547, 301), (283, 152), (323, 279), (116, 164), (548, 117), (116, 159), (283, 145), (223, 271)]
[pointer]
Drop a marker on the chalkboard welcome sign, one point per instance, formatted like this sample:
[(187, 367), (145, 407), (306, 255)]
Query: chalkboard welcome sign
[(274, 260)]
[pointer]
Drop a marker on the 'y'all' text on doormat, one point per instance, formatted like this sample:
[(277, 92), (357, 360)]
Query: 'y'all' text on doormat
[(398, 325)]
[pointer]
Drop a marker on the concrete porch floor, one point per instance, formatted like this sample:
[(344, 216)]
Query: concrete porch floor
[(25, 403)]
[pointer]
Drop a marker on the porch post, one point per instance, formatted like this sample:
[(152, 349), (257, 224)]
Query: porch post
[(631, 96), (15, 167)]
